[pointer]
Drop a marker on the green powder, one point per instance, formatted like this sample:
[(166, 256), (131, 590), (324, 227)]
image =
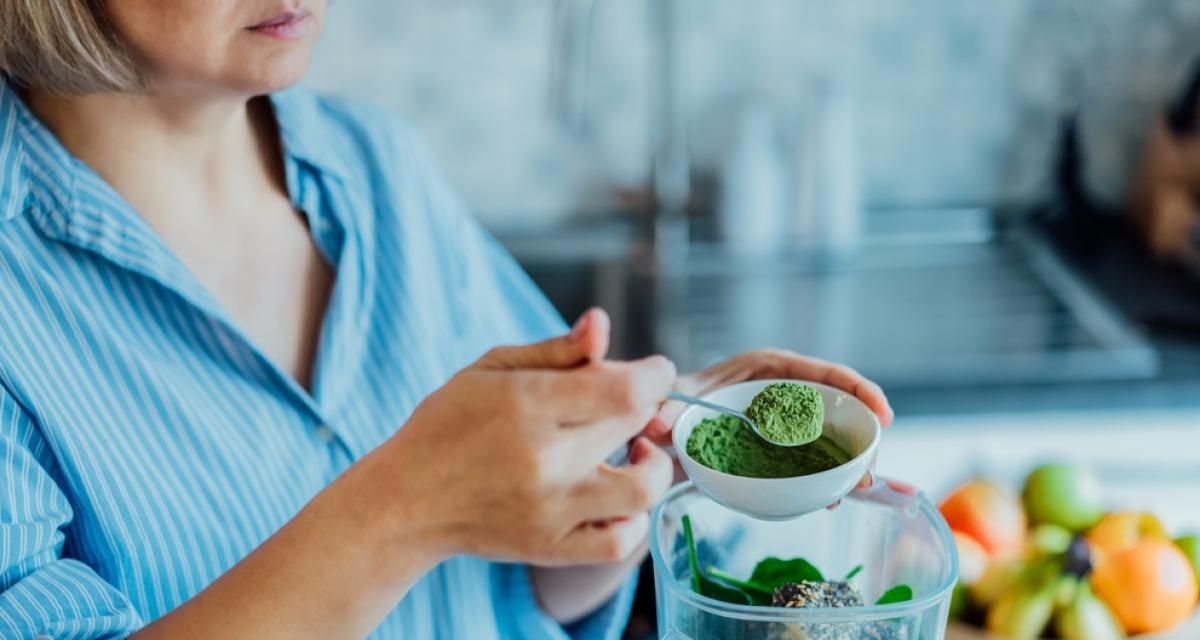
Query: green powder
[(726, 444), (788, 413)]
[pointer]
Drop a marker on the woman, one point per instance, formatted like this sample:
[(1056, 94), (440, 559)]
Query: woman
[(230, 327)]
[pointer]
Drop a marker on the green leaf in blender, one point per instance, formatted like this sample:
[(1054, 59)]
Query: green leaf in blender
[(704, 586), (898, 593), (718, 591), (759, 595), (772, 572), (692, 562), (768, 577)]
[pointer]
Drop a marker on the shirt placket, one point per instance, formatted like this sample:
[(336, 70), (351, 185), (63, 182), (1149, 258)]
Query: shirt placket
[(121, 237)]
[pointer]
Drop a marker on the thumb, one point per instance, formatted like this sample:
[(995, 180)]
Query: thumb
[(587, 341)]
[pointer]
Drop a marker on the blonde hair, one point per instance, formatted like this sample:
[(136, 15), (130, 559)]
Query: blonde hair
[(64, 46)]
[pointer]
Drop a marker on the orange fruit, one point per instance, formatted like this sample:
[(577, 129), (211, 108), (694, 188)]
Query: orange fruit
[(989, 514), (1149, 585), (1121, 530)]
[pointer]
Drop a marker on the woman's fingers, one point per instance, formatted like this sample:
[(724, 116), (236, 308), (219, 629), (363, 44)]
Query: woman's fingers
[(659, 427), (607, 390), (618, 492), (609, 541), (867, 480), (790, 365), (591, 444), (849, 380), (900, 487), (592, 331), (587, 341)]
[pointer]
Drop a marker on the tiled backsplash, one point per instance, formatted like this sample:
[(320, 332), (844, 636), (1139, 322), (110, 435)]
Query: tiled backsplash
[(956, 102)]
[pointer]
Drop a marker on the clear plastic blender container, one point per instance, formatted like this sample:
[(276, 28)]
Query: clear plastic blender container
[(898, 539)]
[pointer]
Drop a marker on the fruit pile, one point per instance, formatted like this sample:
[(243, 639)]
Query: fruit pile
[(1054, 564)]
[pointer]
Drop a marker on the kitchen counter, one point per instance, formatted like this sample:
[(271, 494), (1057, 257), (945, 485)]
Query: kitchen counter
[(1146, 459)]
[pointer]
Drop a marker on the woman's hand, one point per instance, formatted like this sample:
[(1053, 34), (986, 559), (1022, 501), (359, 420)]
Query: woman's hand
[(507, 460)]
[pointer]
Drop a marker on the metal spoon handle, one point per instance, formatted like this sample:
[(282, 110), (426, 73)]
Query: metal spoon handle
[(683, 397)]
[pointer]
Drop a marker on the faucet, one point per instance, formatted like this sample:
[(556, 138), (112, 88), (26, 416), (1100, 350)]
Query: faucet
[(672, 165), (574, 23)]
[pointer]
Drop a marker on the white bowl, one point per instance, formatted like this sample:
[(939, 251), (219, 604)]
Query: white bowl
[(848, 422)]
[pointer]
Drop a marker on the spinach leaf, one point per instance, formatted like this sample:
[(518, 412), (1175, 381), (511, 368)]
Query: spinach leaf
[(703, 585), (853, 572), (773, 572), (898, 593), (692, 562), (758, 594), (732, 595)]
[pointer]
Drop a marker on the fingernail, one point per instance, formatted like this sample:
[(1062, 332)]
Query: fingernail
[(656, 426), (580, 327)]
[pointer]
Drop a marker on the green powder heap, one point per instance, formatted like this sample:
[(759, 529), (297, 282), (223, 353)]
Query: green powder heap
[(788, 413), (726, 444)]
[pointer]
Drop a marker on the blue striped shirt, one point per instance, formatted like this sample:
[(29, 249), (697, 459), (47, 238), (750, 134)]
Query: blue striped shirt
[(147, 444)]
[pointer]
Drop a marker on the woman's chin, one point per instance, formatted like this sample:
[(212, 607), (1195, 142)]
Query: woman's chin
[(268, 79)]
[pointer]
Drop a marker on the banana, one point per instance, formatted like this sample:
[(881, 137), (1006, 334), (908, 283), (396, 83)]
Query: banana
[(1024, 610), (1087, 618), (1048, 540), (997, 578)]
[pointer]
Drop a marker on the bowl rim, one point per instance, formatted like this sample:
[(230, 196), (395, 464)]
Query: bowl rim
[(867, 452), (866, 613)]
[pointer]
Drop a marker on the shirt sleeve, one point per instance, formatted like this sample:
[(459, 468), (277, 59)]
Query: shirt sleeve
[(42, 593), (520, 615), (504, 306), (485, 286)]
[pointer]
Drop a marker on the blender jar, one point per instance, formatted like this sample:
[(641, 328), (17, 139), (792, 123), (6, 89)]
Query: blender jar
[(898, 539)]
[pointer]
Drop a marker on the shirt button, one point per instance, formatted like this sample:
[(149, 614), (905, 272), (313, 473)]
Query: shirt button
[(325, 434)]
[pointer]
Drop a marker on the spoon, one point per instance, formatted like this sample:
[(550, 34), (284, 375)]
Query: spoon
[(683, 397)]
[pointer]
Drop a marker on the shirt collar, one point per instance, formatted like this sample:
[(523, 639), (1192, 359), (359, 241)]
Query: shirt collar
[(32, 159), (32, 162), (299, 116)]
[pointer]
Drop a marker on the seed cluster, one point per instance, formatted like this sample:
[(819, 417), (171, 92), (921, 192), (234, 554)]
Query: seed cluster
[(813, 595), (827, 594)]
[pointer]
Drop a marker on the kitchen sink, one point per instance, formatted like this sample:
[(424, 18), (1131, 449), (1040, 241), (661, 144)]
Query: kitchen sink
[(908, 312), (1005, 311)]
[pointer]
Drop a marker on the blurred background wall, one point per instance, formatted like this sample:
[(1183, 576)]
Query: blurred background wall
[(956, 102)]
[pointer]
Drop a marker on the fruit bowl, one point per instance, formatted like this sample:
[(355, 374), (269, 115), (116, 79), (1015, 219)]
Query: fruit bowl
[(1188, 630), (1055, 562)]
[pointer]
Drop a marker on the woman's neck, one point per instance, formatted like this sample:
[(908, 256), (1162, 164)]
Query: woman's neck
[(201, 155)]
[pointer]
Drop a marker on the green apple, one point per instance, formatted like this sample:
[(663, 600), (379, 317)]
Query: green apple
[(1065, 495), (1190, 545)]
